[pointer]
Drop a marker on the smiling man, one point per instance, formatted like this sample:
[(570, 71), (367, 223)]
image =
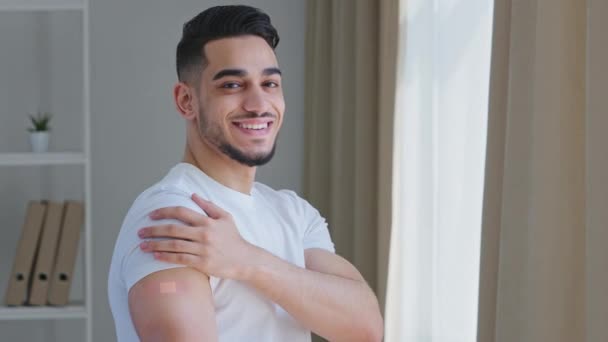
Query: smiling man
[(207, 253)]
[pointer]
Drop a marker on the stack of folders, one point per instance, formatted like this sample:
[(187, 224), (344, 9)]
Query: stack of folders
[(46, 254)]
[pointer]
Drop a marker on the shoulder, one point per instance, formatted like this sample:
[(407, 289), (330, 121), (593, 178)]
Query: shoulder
[(160, 195), (173, 189), (157, 196)]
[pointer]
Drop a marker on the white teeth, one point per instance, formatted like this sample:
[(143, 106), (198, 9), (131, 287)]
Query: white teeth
[(256, 126)]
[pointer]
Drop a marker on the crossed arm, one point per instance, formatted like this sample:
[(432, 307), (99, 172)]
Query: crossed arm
[(329, 296)]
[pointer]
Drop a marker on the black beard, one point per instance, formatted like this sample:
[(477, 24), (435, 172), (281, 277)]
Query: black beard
[(213, 136), (240, 157)]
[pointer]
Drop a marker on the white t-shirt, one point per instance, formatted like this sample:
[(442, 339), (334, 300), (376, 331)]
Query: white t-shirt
[(278, 221)]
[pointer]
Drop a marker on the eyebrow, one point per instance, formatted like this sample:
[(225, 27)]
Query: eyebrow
[(242, 73), (272, 71)]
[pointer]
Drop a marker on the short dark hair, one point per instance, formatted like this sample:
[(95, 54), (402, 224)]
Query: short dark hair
[(216, 23)]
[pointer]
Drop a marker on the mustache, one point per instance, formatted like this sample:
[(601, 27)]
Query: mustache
[(252, 115)]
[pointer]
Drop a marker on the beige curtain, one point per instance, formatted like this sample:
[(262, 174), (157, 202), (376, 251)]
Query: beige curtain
[(544, 224), (349, 109), (597, 171)]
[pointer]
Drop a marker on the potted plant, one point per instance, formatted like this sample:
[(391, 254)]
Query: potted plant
[(39, 132)]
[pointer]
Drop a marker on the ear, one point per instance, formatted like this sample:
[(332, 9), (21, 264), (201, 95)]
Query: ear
[(186, 101)]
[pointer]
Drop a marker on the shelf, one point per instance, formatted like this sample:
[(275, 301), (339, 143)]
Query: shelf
[(76, 310), (46, 46), (49, 158), (40, 5)]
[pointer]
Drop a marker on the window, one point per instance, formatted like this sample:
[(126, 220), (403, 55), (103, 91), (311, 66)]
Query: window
[(440, 138)]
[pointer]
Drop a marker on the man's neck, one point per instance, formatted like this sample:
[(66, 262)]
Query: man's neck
[(220, 167)]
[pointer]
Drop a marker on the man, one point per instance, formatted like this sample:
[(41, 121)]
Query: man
[(207, 254)]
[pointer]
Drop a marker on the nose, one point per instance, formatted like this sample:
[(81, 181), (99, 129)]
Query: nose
[(255, 101)]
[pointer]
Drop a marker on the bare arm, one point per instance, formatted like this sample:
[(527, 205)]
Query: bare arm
[(330, 296), (173, 305)]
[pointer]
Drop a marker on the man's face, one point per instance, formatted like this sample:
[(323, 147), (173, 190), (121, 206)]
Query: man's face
[(241, 101)]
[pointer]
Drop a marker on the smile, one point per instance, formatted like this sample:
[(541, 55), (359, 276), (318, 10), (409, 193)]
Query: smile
[(254, 126), (257, 128)]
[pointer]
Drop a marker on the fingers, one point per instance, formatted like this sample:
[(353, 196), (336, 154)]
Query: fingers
[(186, 215), (178, 258), (172, 231), (173, 246), (211, 209)]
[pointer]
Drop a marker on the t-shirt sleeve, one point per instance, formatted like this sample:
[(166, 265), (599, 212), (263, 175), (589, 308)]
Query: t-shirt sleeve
[(136, 263), (316, 233)]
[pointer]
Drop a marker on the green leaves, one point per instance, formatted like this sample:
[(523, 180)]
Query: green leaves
[(40, 122)]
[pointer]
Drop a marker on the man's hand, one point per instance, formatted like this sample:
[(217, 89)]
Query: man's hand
[(211, 244)]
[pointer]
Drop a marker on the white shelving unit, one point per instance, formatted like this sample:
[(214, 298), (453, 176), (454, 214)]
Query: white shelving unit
[(57, 158), (41, 5), (22, 313), (18, 158)]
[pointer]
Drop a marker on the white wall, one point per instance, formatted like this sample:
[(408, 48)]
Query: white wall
[(136, 133)]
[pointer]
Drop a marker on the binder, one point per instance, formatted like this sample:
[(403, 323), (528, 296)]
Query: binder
[(67, 250), (45, 258), (19, 282)]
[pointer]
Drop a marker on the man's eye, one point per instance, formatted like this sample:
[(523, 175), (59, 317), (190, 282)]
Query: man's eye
[(231, 85), (271, 84)]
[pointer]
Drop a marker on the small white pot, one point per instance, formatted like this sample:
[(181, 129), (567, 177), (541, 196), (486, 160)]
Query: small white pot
[(39, 141)]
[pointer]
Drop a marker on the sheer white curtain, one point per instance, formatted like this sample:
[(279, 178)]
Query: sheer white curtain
[(439, 154)]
